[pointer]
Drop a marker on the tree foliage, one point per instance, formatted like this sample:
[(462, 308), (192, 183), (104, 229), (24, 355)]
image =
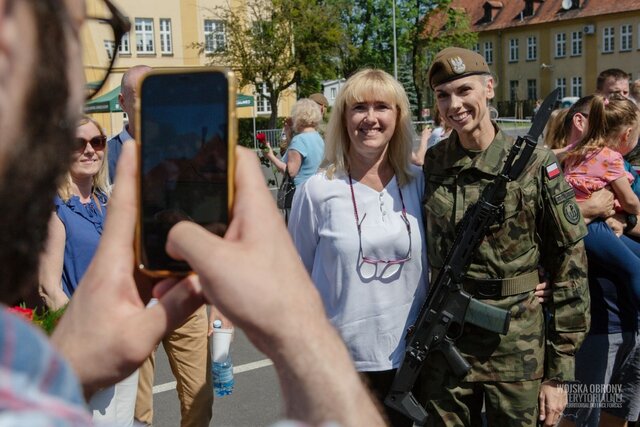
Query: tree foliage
[(277, 43)]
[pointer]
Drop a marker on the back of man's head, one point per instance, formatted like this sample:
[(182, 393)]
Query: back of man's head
[(319, 99)]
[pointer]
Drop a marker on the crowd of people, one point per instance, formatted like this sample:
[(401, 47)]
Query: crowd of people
[(370, 226)]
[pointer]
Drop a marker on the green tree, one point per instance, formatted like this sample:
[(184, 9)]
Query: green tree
[(439, 26), (277, 43)]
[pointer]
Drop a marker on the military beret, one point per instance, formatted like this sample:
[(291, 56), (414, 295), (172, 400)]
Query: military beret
[(453, 63)]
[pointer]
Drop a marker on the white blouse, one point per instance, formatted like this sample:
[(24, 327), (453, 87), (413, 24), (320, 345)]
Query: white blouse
[(370, 305)]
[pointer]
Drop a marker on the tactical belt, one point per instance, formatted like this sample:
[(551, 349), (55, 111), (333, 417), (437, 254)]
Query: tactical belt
[(498, 288)]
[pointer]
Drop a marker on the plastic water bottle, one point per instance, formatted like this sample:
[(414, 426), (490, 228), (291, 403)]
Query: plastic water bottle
[(222, 368)]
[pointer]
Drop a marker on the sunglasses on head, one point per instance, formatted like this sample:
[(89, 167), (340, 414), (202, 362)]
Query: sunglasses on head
[(97, 143)]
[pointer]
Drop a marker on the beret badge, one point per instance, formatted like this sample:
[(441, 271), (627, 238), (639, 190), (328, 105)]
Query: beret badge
[(457, 65)]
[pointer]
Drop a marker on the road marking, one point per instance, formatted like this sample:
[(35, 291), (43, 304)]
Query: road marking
[(160, 388)]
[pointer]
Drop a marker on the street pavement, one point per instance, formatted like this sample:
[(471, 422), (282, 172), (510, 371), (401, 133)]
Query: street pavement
[(255, 401)]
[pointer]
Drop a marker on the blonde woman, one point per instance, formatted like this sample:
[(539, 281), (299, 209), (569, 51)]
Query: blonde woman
[(357, 225), (304, 153), (76, 225)]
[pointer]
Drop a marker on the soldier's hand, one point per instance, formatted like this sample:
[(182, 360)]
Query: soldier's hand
[(552, 401), (543, 290)]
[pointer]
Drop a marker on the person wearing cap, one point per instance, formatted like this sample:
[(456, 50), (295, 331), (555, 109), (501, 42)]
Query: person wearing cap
[(517, 376)]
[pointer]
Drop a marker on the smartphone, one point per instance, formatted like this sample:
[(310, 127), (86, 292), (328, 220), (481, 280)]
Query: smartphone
[(186, 137)]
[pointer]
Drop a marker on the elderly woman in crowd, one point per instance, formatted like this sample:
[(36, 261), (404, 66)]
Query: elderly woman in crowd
[(357, 225), (304, 153)]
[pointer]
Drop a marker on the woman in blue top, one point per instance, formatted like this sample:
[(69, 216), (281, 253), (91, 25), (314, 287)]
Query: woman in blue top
[(306, 150), (76, 224)]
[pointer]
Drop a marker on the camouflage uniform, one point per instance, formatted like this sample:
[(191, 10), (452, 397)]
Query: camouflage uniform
[(542, 226)]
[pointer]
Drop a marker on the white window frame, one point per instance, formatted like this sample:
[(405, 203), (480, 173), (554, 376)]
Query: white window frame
[(262, 102), (476, 47), (576, 43), (576, 86), (535, 87), (110, 47), (561, 83), (608, 39), (561, 45), (166, 39), (626, 37), (125, 45), (532, 48), (513, 50), (488, 52), (145, 42), (214, 35), (334, 92)]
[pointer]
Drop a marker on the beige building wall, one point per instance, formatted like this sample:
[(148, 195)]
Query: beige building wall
[(187, 27), (548, 68)]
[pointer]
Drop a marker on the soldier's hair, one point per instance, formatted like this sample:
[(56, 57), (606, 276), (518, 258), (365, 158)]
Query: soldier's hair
[(607, 119), (615, 73), (370, 85)]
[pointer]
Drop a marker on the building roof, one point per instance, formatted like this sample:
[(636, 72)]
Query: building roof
[(511, 13)]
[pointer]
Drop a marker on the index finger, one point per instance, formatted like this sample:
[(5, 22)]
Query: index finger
[(117, 238)]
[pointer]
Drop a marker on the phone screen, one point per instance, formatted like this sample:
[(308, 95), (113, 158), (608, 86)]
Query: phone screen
[(184, 125)]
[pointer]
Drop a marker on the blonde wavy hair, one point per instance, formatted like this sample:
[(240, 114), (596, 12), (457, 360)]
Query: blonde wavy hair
[(369, 84), (101, 182)]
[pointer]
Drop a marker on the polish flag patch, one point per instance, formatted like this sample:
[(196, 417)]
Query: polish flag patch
[(553, 170)]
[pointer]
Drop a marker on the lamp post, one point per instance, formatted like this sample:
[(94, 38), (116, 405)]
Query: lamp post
[(395, 44)]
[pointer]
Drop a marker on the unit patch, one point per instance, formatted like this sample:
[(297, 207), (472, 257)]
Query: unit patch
[(571, 212), (563, 197)]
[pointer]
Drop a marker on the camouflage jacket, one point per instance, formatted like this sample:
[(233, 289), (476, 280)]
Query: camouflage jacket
[(542, 226)]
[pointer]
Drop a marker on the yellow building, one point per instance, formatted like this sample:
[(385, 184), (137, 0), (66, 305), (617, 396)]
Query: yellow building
[(534, 46), (163, 34)]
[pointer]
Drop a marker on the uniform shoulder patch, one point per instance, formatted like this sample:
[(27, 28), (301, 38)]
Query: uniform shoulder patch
[(553, 170), (571, 212), (564, 196)]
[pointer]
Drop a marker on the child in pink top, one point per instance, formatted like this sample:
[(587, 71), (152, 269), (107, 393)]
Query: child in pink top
[(595, 162)]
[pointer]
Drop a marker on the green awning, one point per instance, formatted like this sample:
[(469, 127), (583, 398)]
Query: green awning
[(244, 100), (107, 103)]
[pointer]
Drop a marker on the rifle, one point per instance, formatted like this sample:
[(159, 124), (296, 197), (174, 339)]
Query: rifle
[(447, 308)]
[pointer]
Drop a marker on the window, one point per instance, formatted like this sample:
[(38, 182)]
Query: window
[(626, 38), (488, 52), (561, 45), (125, 45), (110, 47), (576, 43), (261, 100), (214, 36), (513, 90), (513, 50), (144, 35), (166, 44), (334, 93), (561, 83), (476, 48), (608, 39), (576, 86), (532, 89), (532, 48)]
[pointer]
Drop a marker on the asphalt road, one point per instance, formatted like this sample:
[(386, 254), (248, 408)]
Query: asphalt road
[(255, 400)]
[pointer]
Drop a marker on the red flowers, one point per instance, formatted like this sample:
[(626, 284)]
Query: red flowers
[(27, 313), (262, 140)]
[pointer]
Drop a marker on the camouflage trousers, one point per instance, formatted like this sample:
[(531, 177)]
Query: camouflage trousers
[(451, 402)]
